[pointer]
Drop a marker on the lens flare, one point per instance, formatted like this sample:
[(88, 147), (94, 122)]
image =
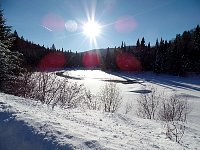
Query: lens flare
[(127, 62), (52, 61), (126, 24), (71, 26), (90, 60), (53, 22), (91, 29)]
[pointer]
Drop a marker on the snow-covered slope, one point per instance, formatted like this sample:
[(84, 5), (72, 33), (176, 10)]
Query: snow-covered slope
[(27, 124), (79, 129)]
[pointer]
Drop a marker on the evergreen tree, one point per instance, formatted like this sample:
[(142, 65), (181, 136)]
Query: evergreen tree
[(157, 67), (9, 61), (124, 49), (174, 62), (108, 61), (149, 46), (122, 45), (160, 56), (114, 59), (148, 58), (129, 49), (142, 43), (196, 49), (6, 37), (53, 47), (138, 44), (185, 42), (15, 34)]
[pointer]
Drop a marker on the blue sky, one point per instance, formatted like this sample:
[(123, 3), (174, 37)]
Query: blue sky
[(61, 21)]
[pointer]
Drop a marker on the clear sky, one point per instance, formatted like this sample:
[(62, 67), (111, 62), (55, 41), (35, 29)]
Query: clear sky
[(62, 21)]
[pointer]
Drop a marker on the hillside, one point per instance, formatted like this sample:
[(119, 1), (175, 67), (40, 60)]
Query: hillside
[(28, 124)]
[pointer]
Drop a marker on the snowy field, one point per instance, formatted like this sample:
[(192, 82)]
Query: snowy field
[(30, 125)]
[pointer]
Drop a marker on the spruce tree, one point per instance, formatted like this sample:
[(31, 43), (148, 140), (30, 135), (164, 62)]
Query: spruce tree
[(6, 37), (138, 44), (157, 67), (53, 47), (108, 59), (124, 49), (122, 45), (149, 46), (9, 61), (196, 49), (142, 43)]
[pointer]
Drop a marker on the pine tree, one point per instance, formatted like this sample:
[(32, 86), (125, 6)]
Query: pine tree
[(114, 65), (148, 58), (124, 49), (138, 44), (143, 43), (157, 67), (9, 61), (108, 62), (149, 46), (122, 45), (53, 47), (15, 34), (129, 49), (196, 49), (185, 42), (6, 37), (175, 60)]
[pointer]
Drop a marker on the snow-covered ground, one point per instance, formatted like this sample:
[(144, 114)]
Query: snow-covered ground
[(26, 124)]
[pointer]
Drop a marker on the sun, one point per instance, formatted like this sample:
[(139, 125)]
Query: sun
[(91, 29)]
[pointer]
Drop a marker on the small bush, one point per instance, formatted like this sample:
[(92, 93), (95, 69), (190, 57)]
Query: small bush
[(91, 102), (148, 104), (69, 95), (128, 107), (110, 97), (50, 89), (174, 111)]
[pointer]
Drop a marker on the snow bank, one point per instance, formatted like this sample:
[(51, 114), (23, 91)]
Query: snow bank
[(26, 124)]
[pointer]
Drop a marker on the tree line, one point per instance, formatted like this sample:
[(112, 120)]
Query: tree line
[(177, 56)]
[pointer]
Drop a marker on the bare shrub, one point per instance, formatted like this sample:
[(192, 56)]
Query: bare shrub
[(25, 85), (46, 86), (91, 102), (22, 85), (175, 130), (128, 107), (148, 104), (110, 97), (174, 112), (51, 89), (174, 109), (70, 95)]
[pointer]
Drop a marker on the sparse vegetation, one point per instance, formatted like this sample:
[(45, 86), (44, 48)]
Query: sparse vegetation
[(148, 104), (128, 107), (91, 102), (173, 111), (51, 89), (110, 97)]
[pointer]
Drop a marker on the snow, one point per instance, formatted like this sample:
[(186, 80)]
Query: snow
[(27, 124)]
